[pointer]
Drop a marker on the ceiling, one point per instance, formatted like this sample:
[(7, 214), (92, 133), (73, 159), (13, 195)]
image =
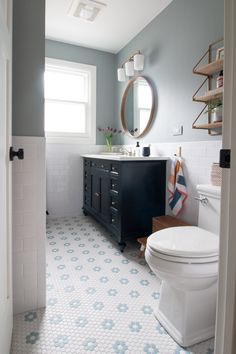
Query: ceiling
[(116, 24)]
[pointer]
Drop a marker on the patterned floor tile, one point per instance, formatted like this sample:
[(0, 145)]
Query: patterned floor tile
[(99, 300)]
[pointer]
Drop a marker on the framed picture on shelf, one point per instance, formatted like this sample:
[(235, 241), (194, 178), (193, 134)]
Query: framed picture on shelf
[(220, 53)]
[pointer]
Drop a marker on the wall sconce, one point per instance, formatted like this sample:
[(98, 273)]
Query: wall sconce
[(134, 63)]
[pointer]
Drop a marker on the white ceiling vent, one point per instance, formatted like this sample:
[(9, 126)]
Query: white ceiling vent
[(86, 9)]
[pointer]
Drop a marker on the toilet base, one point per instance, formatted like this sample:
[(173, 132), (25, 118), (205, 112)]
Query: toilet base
[(188, 316)]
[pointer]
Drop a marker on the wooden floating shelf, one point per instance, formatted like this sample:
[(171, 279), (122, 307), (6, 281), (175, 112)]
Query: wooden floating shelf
[(210, 68), (210, 95), (216, 125)]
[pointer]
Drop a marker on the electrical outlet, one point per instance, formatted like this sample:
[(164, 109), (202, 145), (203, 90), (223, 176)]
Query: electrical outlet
[(178, 130)]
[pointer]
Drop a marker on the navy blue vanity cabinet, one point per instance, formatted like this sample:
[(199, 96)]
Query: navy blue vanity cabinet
[(124, 195)]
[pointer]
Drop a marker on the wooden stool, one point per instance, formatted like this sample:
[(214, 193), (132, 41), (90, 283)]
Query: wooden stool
[(160, 223)]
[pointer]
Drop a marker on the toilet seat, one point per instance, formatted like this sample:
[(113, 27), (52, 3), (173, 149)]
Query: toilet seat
[(184, 244)]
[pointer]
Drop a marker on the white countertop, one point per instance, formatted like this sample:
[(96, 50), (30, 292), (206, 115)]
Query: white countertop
[(124, 157)]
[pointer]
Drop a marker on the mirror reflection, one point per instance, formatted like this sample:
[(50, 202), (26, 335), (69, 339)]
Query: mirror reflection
[(137, 107)]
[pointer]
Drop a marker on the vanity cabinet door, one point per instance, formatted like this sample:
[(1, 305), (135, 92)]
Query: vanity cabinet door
[(96, 193)]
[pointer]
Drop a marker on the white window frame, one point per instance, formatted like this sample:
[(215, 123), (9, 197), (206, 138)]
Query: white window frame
[(80, 138)]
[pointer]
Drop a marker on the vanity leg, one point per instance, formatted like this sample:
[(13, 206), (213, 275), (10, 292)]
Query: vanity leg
[(85, 213), (122, 246)]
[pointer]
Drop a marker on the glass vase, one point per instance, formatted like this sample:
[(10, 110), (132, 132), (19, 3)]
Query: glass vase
[(109, 144)]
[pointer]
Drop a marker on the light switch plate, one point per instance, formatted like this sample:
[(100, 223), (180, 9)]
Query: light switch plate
[(178, 130)]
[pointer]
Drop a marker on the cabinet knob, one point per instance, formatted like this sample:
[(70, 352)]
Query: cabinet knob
[(113, 203), (102, 166), (97, 194), (112, 220), (113, 185)]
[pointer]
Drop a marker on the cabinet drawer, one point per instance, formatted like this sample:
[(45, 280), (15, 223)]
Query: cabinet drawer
[(114, 202), (114, 169), (101, 165), (115, 185), (115, 220)]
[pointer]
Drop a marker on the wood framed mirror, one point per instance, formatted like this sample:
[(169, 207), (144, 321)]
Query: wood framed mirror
[(137, 107)]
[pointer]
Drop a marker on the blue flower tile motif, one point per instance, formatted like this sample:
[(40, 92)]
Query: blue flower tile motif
[(86, 252), (150, 348), (73, 233), (108, 260), (156, 295), (70, 251), (61, 266), (74, 304), (66, 244), (60, 341), (64, 276), (142, 263), (134, 271), (98, 305), (74, 259), (180, 350), (57, 258), (81, 245), (120, 347), (63, 238), (96, 245), (55, 250), (89, 344), (135, 326), (124, 281), (108, 324), (122, 308), (77, 238), (52, 243), (52, 301), (125, 261), (84, 278), (30, 316), (69, 289), (101, 253), (91, 260), (56, 319), (144, 282), (58, 228), (79, 267), (49, 232), (32, 338), (97, 269), (81, 322), (117, 253), (160, 329), (104, 240), (115, 270), (104, 279), (147, 310), (110, 247), (51, 237), (50, 287), (91, 291), (112, 292), (134, 294), (90, 239)]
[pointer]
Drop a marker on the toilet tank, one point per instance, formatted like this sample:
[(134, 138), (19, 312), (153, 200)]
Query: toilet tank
[(209, 207)]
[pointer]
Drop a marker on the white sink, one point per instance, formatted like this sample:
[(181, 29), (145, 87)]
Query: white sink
[(120, 157)]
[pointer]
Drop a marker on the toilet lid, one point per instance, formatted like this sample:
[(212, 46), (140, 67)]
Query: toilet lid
[(185, 241)]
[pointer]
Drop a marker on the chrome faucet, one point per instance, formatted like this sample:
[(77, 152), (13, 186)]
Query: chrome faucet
[(126, 151)]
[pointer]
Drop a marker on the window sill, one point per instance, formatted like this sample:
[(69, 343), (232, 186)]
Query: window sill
[(70, 140)]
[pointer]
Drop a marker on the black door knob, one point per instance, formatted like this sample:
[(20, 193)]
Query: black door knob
[(19, 154)]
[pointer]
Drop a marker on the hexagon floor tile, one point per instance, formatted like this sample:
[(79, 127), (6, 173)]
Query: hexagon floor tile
[(98, 299)]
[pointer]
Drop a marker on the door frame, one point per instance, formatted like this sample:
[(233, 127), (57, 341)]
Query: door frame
[(225, 341)]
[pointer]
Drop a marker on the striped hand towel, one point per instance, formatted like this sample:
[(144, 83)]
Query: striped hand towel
[(176, 187)]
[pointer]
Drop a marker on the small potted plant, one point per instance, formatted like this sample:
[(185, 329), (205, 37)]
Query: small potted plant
[(215, 109)]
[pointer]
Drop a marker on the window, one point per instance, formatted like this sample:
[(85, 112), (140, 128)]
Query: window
[(70, 101)]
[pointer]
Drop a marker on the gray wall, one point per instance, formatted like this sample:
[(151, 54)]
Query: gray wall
[(106, 77), (173, 43), (28, 67)]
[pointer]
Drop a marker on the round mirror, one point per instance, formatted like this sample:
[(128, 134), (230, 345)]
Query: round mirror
[(137, 107)]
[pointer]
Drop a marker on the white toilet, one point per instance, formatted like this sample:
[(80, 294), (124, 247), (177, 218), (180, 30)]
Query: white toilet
[(186, 260)]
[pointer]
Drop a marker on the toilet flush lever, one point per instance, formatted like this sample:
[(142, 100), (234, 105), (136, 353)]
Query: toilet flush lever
[(203, 200)]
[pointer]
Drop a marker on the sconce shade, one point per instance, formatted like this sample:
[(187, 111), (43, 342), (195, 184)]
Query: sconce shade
[(121, 74), (138, 62), (129, 68)]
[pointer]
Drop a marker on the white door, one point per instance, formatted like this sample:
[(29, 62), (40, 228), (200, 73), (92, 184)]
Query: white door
[(225, 342), (5, 176)]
